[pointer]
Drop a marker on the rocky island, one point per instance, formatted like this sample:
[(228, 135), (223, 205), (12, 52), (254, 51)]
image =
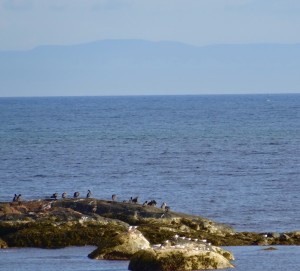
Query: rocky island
[(151, 238)]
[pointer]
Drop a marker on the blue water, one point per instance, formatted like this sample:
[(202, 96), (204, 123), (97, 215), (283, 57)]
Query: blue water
[(231, 158), (75, 259)]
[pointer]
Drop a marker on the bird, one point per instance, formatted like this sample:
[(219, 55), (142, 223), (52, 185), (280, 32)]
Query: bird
[(145, 203), (76, 195), (89, 194), (64, 195), (113, 197), (130, 200), (54, 196), (152, 203), (135, 200), (163, 206), (15, 198)]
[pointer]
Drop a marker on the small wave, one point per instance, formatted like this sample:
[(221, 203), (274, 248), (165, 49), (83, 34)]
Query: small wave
[(40, 176)]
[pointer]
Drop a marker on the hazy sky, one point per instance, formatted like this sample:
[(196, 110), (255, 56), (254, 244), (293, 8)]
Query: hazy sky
[(25, 24)]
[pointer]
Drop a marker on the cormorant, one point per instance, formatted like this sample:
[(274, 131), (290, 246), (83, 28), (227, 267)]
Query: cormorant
[(76, 195), (89, 194), (54, 196), (135, 200), (152, 203), (15, 198)]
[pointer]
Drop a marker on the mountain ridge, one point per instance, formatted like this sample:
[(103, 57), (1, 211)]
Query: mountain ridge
[(133, 67)]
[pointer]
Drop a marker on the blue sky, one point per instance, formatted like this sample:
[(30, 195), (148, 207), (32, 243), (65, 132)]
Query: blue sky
[(25, 24)]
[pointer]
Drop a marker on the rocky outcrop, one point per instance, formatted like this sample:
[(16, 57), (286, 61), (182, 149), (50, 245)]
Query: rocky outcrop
[(181, 253), (58, 223), (122, 247), (177, 259), (3, 244)]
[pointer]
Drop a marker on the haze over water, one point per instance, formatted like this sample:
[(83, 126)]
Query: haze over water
[(231, 158)]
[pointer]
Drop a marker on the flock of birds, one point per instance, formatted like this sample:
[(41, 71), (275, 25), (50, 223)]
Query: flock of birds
[(135, 200), (182, 242), (75, 195)]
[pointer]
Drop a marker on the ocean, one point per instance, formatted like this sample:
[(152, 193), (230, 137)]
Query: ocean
[(234, 159)]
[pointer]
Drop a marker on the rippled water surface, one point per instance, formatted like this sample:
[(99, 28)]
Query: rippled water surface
[(75, 259), (231, 158)]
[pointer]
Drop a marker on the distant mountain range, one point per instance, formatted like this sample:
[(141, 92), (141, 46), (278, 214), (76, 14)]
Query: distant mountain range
[(120, 67)]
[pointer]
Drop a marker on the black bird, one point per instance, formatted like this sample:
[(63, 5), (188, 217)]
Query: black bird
[(152, 203), (54, 196), (64, 195), (89, 194), (76, 195), (113, 197), (15, 198), (145, 203), (136, 200)]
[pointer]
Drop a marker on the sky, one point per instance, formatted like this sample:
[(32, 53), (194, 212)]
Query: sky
[(25, 24)]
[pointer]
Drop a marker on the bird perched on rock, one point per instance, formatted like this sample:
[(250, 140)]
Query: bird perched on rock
[(89, 194), (54, 196), (113, 197), (76, 195), (135, 200), (64, 195), (145, 203), (15, 198), (152, 203), (163, 206)]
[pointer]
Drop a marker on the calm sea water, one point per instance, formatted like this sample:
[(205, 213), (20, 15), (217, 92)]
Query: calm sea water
[(231, 158), (75, 259)]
